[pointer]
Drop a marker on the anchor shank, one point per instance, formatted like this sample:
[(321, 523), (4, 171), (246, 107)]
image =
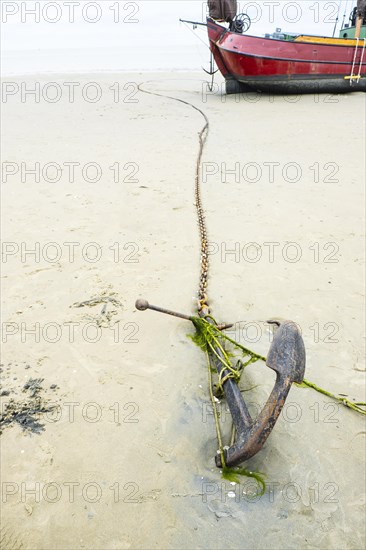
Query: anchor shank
[(286, 356), (238, 409), (251, 441)]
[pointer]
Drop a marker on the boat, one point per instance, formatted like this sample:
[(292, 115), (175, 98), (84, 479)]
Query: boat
[(286, 63)]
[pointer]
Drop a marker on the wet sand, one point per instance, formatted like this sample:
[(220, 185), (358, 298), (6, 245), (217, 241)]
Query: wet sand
[(126, 456)]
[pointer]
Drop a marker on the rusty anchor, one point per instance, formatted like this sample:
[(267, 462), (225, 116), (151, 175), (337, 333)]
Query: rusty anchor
[(286, 357)]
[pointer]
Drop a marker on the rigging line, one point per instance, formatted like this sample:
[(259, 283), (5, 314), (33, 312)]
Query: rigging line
[(344, 14), (211, 55), (202, 136), (196, 35), (337, 18)]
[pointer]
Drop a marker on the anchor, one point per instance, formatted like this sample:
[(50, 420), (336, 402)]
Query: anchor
[(211, 72), (286, 357)]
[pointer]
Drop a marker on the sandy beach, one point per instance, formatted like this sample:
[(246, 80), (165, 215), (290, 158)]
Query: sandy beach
[(97, 211)]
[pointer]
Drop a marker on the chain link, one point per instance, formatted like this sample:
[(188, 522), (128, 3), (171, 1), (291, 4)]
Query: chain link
[(203, 307)]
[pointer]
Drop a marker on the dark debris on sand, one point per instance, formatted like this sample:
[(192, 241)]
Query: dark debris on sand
[(27, 414), (27, 410)]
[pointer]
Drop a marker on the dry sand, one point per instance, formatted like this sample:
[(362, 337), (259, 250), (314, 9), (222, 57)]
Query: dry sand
[(126, 458)]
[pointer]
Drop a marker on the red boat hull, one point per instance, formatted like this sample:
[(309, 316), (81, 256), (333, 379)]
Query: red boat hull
[(269, 65)]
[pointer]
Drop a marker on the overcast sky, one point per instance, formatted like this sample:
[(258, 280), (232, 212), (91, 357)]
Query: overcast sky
[(138, 34)]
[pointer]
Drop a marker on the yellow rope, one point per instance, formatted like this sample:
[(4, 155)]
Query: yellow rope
[(214, 409)]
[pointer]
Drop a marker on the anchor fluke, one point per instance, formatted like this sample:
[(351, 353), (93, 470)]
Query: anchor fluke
[(286, 355), (210, 72)]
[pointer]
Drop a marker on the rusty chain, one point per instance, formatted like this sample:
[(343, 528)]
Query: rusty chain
[(203, 307)]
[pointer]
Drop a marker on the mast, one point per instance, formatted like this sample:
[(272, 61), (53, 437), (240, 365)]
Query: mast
[(361, 15)]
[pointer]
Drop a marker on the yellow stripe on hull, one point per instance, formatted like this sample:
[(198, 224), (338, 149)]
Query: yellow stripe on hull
[(330, 41)]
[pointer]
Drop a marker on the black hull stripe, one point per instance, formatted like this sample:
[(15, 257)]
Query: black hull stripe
[(285, 78), (348, 63), (304, 86)]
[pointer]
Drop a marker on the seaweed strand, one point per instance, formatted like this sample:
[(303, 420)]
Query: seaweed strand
[(208, 336)]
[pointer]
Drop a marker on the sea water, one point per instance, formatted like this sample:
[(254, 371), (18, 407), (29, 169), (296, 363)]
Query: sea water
[(115, 36)]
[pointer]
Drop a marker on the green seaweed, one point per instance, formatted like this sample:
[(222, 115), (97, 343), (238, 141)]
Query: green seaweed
[(231, 474), (208, 335), (357, 407)]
